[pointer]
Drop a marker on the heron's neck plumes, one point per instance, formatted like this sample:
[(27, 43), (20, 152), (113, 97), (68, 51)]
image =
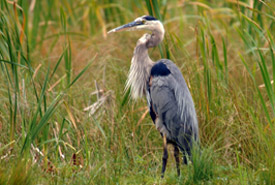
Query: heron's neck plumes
[(141, 65)]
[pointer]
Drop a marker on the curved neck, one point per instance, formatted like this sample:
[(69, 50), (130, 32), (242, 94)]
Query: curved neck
[(141, 63), (139, 73)]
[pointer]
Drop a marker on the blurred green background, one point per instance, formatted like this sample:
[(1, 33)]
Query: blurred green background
[(64, 115)]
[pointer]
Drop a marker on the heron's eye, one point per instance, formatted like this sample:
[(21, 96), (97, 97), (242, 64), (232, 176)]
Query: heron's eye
[(143, 21)]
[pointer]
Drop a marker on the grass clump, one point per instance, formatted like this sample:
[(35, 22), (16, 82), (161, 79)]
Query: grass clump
[(20, 172), (203, 165)]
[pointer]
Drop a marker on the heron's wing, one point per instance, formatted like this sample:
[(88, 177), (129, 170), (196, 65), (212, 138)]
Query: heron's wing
[(171, 100)]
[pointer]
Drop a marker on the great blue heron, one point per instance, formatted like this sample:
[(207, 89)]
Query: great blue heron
[(169, 100)]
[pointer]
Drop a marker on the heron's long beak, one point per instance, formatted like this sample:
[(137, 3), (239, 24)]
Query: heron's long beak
[(128, 27)]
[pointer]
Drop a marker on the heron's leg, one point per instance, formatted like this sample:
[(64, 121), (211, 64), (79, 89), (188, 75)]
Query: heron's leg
[(176, 154), (165, 155)]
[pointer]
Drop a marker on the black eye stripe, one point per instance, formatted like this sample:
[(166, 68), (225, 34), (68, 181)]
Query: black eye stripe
[(149, 18)]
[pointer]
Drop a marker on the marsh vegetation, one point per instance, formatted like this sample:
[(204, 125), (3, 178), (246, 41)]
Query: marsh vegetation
[(64, 115)]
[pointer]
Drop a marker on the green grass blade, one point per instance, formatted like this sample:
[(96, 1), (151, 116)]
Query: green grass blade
[(267, 81), (100, 128), (259, 92), (225, 61), (44, 120), (35, 117), (35, 23), (149, 7), (13, 63), (126, 97), (82, 72), (57, 64)]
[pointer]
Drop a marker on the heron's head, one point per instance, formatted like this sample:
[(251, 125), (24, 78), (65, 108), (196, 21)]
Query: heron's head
[(145, 22)]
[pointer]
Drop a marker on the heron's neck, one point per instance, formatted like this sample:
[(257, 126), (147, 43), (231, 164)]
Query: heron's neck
[(155, 38), (141, 65)]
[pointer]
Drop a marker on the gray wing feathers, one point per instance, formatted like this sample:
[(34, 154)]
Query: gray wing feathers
[(164, 104), (173, 103)]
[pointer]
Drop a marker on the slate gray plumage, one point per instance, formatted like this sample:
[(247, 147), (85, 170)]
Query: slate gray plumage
[(168, 97), (173, 104)]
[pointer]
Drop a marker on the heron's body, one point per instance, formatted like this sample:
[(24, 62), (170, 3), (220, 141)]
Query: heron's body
[(171, 104), (169, 100)]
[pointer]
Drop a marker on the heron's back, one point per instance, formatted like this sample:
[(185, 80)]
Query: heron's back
[(171, 105)]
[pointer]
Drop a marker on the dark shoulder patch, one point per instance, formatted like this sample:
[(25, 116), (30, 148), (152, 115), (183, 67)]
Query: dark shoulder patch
[(149, 18), (160, 69)]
